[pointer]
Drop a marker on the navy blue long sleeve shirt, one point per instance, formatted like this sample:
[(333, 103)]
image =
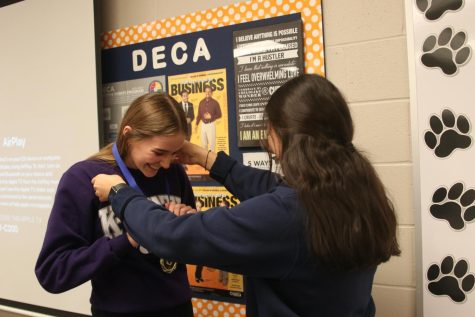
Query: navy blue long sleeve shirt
[(262, 238)]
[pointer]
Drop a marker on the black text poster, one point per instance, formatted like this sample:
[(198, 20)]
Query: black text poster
[(264, 59)]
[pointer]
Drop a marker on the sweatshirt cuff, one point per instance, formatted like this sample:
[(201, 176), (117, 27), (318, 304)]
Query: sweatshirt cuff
[(120, 245), (221, 167), (121, 199)]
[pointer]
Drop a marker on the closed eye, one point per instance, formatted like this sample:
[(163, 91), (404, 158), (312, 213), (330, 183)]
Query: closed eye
[(160, 152)]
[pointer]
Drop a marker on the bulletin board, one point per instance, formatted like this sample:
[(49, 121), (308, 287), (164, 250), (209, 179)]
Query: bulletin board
[(245, 51)]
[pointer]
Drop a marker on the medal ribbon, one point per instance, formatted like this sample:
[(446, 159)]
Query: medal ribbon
[(125, 171)]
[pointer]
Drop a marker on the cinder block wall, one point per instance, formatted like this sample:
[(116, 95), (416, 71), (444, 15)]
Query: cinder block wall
[(365, 46)]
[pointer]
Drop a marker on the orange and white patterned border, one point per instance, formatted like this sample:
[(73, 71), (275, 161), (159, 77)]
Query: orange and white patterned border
[(228, 15), (211, 308)]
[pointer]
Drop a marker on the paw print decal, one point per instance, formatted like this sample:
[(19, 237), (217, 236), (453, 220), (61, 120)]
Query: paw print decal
[(456, 206), (451, 280), (447, 134), (434, 9), (447, 51)]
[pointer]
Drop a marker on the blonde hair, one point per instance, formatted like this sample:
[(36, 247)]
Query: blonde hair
[(153, 114)]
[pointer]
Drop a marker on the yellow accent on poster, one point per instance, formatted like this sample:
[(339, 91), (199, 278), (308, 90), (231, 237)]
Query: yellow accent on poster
[(207, 130), (210, 280)]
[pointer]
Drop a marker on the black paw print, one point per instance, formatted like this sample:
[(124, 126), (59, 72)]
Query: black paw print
[(455, 205), (454, 280), (434, 9), (447, 52), (449, 134)]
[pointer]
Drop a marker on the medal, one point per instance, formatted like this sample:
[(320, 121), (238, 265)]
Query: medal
[(168, 266)]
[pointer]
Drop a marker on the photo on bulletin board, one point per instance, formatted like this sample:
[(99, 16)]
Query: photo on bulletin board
[(206, 281), (118, 96), (206, 95), (264, 59)]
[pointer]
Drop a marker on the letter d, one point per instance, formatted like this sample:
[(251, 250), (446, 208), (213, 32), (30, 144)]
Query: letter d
[(139, 60)]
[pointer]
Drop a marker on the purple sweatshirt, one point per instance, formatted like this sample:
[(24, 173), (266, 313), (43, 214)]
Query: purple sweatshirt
[(85, 241)]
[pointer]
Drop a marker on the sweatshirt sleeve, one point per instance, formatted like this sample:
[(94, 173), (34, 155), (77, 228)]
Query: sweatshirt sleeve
[(70, 254), (242, 181), (256, 237)]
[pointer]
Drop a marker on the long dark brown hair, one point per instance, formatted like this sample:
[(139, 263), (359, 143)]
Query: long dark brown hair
[(350, 222), (153, 114)]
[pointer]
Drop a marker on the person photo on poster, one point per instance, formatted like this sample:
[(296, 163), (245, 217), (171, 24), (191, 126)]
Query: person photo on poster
[(208, 112), (189, 112), (198, 268)]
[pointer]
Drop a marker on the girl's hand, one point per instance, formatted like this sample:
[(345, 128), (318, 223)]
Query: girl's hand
[(179, 209), (190, 154), (132, 242), (102, 184), (194, 154)]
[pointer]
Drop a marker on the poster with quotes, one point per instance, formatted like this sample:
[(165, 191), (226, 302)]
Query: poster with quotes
[(264, 59)]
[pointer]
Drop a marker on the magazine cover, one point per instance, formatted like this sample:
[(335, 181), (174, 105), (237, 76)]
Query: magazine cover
[(210, 281), (203, 96)]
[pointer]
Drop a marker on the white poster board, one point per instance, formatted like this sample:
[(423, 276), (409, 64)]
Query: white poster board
[(48, 121), (442, 72)]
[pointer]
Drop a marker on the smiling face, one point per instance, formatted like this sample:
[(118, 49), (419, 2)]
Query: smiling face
[(184, 96), (150, 154), (208, 93)]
